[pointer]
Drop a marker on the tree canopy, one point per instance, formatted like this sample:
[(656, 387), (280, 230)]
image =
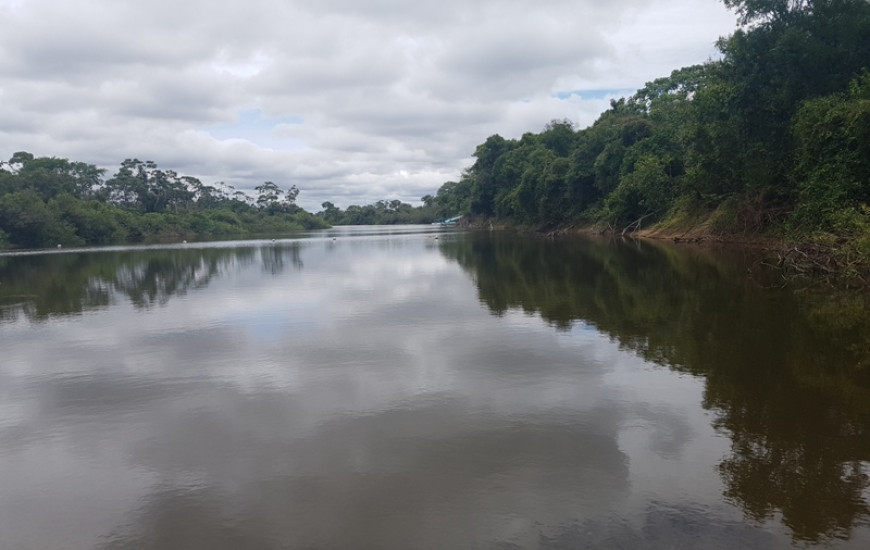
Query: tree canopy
[(46, 201), (771, 135)]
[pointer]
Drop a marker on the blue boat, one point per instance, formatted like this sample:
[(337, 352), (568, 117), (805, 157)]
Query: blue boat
[(448, 221)]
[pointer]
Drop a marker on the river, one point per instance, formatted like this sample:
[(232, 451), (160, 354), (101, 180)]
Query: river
[(417, 387)]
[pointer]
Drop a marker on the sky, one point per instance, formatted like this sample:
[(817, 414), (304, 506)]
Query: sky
[(352, 101)]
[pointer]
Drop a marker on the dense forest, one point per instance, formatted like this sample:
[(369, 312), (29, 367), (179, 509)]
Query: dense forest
[(774, 136), (49, 201)]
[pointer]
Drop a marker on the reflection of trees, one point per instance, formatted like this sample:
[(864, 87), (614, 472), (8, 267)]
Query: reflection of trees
[(788, 375), (274, 256), (155, 278), (41, 286)]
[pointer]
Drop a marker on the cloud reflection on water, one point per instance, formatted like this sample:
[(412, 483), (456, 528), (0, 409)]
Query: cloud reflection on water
[(362, 398)]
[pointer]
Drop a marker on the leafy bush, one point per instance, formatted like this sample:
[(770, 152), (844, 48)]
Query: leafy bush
[(833, 160)]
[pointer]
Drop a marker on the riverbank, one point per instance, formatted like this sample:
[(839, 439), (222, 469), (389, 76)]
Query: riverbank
[(820, 259), (812, 260)]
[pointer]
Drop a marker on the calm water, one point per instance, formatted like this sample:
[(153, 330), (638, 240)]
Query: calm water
[(381, 388)]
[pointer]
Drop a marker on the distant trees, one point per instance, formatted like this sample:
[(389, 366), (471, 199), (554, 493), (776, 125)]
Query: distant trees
[(274, 200), (330, 213), (382, 212), (46, 201)]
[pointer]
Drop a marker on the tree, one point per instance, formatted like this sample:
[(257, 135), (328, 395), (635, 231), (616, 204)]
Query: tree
[(274, 200), (27, 221), (142, 186), (486, 185), (330, 213), (832, 135), (453, 198), (23, 216), (680, 86), (19, 159), (558, 136), (52, 176), (771, 12), (268, 196), (796, 50), (290, 195), (209, 196)]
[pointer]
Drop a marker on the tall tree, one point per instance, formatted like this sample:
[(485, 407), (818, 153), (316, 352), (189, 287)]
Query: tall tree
[(486, 184), (143, 186), (53, 176)]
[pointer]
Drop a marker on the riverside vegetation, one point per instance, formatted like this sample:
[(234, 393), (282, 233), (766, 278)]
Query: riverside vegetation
[(772, 139), (47, 201)]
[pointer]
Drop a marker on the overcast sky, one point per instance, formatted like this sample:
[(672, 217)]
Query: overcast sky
[(350, 100)]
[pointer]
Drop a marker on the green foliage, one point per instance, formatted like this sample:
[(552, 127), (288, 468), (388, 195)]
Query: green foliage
[(330, 213), (833, 160), (803, 50), (46, 201), (142, 187), (558, 136), (772, 132), (379, 213), (645, 191), (453, 198), (92, 222), (773, 12), (486, 182), (25, 218), (275, 200), (51, 176)]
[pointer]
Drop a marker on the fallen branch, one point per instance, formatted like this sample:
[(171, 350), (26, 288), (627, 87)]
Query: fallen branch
[(635, 224), (828, 265)]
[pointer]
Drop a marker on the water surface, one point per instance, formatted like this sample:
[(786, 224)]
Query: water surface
[(411, 387)]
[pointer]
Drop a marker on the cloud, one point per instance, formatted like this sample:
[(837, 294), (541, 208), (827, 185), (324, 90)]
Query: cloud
[(355, 101)]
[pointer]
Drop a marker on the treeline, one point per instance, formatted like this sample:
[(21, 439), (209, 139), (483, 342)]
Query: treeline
[(46, 201), (776, 134), (382, 212)]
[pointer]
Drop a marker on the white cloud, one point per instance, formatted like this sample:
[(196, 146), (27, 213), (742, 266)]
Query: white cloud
[(355, 101)]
